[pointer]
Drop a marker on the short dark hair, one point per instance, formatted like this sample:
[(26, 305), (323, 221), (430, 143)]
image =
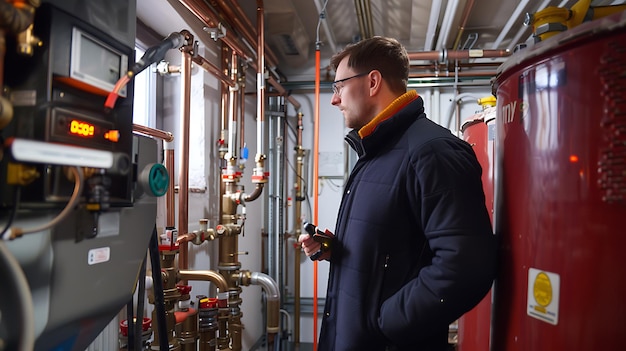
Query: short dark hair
[(386, 55)]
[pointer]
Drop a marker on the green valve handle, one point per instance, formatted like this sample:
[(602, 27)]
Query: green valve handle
[(155, 179)]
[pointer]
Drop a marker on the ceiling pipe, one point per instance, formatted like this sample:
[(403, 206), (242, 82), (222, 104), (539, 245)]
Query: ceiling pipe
[(446, 24), (360, 16), (439, 66), (469, 5), (446, 74), (233, 11), (444, 55), (206, 14), (367, 7), (433, 21), (507, 27)]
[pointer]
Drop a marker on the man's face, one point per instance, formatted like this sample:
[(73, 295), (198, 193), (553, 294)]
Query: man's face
[(351, 95)]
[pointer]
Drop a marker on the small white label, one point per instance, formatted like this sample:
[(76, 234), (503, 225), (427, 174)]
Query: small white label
[(543, 295), (99, 255)]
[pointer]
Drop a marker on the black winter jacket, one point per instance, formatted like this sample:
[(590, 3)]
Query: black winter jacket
[(414, 247)]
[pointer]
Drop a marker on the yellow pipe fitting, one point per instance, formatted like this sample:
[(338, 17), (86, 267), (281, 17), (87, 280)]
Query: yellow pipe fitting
[(603, 11), (550, 21), (20, 174), (578, 12), (487, 101)]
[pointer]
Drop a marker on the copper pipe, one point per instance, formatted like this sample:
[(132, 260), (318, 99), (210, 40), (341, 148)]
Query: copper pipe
[(443, 55), (233, 11), (282, 91), (438, 66), (169, 195), (207, 15), (183, 178), (211, 68), (469, 5), (156, 133), (454, 74), (205, 275)]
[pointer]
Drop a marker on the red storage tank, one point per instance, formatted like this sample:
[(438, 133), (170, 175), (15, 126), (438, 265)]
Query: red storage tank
[(479, 131), (560, 192)]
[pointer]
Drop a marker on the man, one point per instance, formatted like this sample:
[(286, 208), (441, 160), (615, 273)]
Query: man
[(413, 247)]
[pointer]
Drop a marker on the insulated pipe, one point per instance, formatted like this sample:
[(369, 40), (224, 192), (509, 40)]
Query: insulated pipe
[(446, 24), (241, 99), (183, 178), (433, 20), (232, 115), (260, 77), (17, 285)]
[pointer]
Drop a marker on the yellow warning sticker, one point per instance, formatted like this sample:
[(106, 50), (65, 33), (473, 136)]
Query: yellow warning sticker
[(543, 295)]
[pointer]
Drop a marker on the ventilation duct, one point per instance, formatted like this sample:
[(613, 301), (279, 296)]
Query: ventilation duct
[(287, 36)]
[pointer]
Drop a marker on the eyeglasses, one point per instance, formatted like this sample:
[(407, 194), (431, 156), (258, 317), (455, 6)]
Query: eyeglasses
[(337, 88)]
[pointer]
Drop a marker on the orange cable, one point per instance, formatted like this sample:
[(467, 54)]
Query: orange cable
[(316, 146)]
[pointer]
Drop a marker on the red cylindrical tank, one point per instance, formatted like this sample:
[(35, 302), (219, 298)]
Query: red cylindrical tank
[(560, 192), (479, 131)]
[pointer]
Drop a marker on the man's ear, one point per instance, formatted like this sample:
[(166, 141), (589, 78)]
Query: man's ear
[(376, 82)]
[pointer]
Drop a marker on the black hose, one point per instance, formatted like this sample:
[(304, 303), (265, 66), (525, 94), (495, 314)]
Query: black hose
[(130, 322), (140, 306), (159, 299)]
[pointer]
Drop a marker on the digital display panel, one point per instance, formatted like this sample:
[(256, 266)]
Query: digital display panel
[(81, 129), (95, 63)]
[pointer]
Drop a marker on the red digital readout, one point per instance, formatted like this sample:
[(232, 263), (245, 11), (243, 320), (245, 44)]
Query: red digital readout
[(82, 128)]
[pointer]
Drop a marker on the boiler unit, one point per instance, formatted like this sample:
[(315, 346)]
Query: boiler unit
[(479, 131), (560, 195), (77, 187)]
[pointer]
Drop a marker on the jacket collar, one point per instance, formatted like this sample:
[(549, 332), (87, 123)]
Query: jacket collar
[(395, 118)]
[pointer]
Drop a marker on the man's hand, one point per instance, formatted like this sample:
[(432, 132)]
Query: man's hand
[(318, 245)]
